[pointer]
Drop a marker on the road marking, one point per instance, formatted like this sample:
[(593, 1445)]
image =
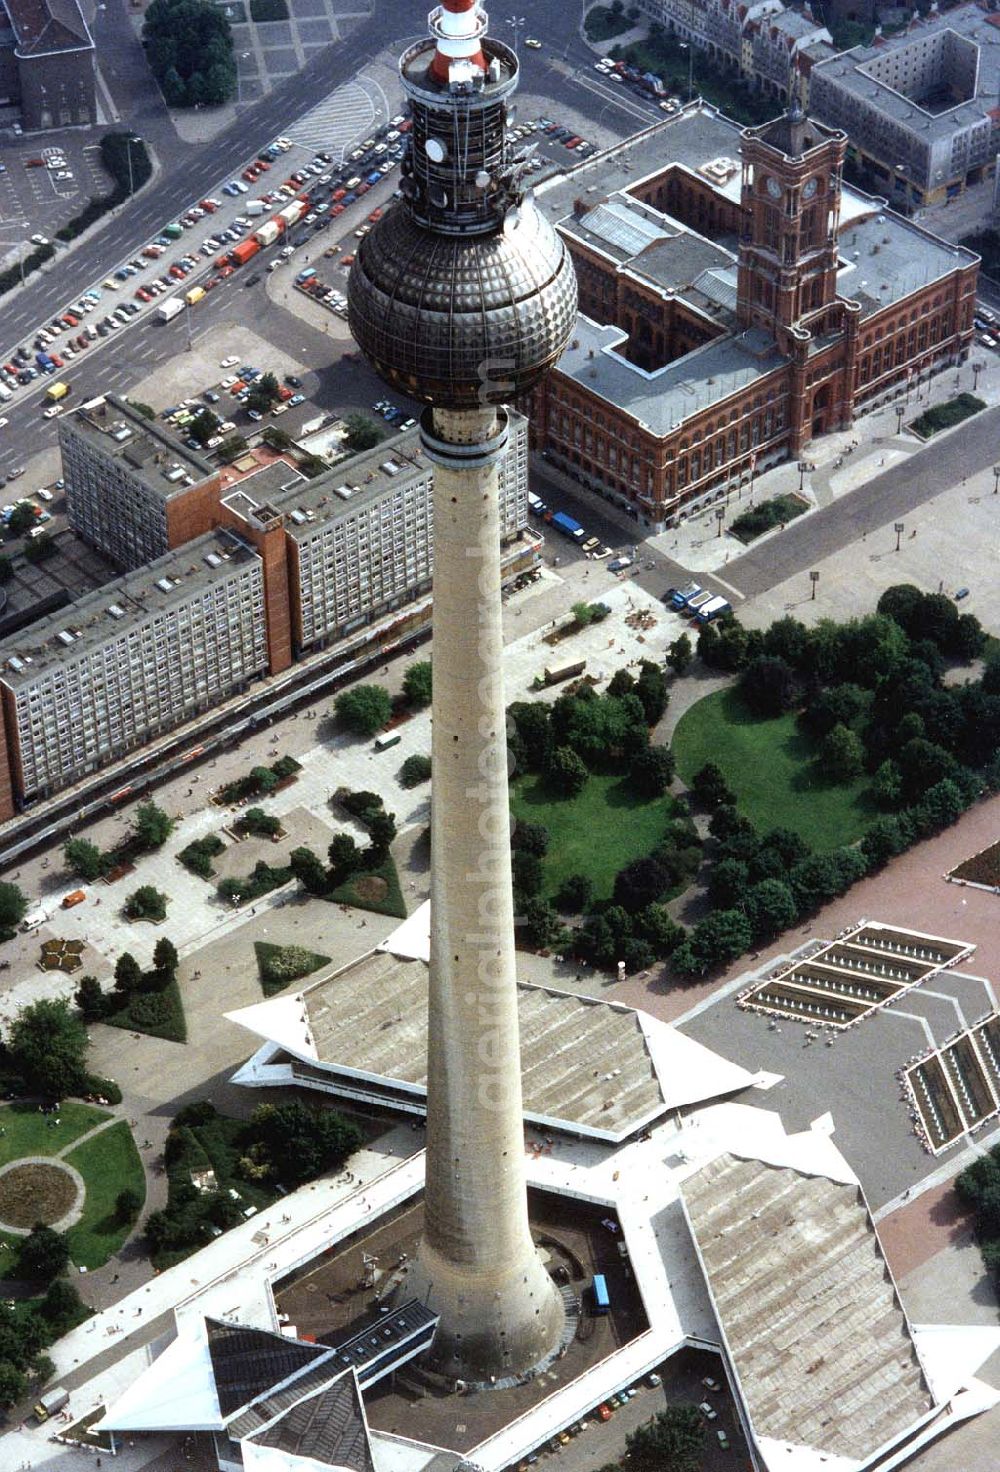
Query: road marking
[(339, 119), (943, 997), (728, 586)]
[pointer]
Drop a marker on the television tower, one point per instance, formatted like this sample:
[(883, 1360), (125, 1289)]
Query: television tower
[(463, 296)]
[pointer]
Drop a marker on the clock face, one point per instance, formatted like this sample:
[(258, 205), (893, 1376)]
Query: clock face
[(809, 188), (773, 188)]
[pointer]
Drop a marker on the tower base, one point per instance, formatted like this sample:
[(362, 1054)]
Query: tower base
[(494, 1330)]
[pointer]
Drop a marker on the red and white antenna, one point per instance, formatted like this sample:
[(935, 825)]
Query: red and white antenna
[(458, 26)]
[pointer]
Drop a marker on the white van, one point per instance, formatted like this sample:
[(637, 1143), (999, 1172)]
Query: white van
[(33, 919)]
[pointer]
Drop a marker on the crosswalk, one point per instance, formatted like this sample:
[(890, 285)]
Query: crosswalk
[(337, 122)]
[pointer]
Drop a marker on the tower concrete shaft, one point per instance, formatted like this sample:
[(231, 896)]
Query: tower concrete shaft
[(501, 1314)]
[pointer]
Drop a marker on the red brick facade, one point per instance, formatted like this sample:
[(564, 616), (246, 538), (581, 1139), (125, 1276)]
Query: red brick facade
[(791, 245)]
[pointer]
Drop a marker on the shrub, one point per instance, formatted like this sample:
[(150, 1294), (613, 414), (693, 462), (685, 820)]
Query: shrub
[(415, 769), (198, 855), (146, 903)]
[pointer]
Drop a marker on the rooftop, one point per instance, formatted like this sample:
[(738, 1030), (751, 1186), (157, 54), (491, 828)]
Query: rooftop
[(151, 454), (72, 632), (883, 259), (858, 71), (814, 1330), (44, 26), (593, 1067)]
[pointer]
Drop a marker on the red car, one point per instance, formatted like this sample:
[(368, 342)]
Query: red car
[(338, 209), (362, 189), (338, 195), (177, 272), (57, 360), (142, 295), (227, 271), (209, 205), (249, 175), (375, 215), (262, 166)]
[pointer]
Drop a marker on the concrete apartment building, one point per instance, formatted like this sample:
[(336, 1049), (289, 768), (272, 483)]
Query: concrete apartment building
[(921, 108), (46, 65), (769, 44), (132, 489), (736, 300), (131, 660), (289, 567)]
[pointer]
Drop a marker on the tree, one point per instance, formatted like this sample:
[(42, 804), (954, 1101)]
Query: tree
[(529, 735), (233, 446), (364, 709), (301, 1142), (13, 907), (84, 859), (381, 832), (768, 686), (44, 1254), (189, 47), (542, 925), (344, 856), (839, 705), (62, 1307), (714, 941), (21, 519), (770, 908), (530, 838), (841, 754), (652, 692), (922, 764), (680, 654), (674, 1439), (90, 999), (146, 903), (652, 770), (308, 869), (128, 1205), (40, 548), (640, 883), (526, 870), (128, 974), (728, 882), (566, 773), (203, 426), (13, 1384), (418, 684), (263, 394), (662, 934), (152, 826), (48, 1047), (887, 784), (575, 894), (415, 769), (883, 840), (710, 787), (362, 433), (165, 957), (277, 438)]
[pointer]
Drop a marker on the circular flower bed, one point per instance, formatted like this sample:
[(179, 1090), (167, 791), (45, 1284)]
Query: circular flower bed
[(36, 1192)]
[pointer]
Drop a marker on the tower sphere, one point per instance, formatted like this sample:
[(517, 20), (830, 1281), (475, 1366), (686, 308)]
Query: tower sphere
[(462, 295)]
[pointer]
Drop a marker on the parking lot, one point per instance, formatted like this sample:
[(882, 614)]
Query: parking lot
[(36, 199)]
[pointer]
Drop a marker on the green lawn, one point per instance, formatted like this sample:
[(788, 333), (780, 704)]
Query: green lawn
[(109, 1163), (389, 903), (26, 1132), (158, 1014), (771, 768), (627, 826), (270, 967)]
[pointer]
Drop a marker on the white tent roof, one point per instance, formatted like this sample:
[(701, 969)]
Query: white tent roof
[(176, 1393)]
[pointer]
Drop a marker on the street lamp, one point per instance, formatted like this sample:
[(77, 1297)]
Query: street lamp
[(132, 138), (516, 23), (686, 46), (900, 411), (996, 478), (802, 473), (814, 579), (898, 527), (720, 516), (977, 368)]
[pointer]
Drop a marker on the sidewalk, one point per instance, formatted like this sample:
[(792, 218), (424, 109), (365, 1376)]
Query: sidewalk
[(842, 461)]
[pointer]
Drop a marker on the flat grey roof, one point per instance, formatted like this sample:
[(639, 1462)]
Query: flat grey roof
[(884, 258), (137, 596), (817, 1338), (152, 454), (968, 21), (584, 1064), (662, 400)]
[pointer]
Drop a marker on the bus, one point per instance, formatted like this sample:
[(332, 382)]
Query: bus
[(599, 1288)]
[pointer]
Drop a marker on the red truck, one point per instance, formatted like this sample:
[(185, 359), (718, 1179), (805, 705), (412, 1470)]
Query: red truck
[(240, 254)]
